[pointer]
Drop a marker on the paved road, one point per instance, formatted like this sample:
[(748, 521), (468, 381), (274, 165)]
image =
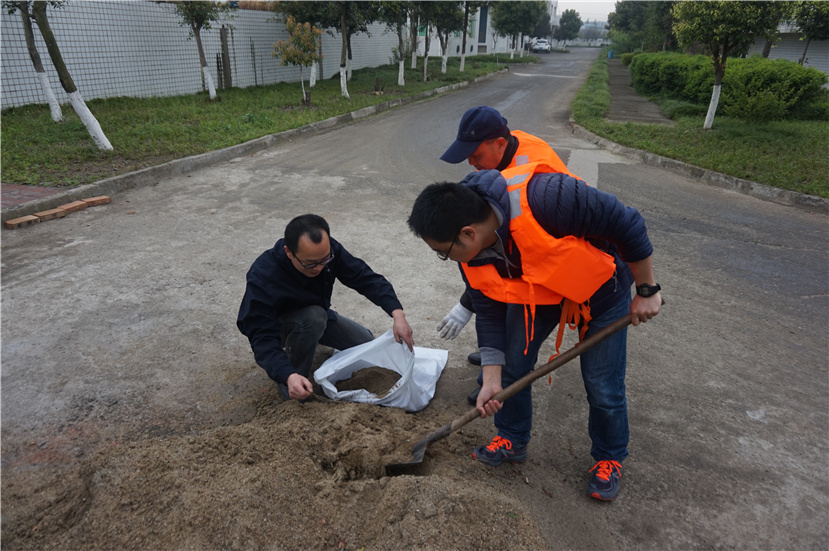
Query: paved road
[(119, 320)]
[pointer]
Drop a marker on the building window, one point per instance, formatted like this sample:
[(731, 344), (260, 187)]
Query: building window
[(482, 26)]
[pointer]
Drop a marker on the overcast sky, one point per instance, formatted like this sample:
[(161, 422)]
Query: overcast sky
[(588, 9)]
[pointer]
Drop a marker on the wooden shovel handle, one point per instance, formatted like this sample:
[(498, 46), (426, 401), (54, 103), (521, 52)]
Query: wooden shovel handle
[(545, 369)]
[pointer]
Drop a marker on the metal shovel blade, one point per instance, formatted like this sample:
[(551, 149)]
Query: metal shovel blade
[(419, 449)]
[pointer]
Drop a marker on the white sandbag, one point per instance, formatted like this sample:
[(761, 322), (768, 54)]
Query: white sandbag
[(419, 372)]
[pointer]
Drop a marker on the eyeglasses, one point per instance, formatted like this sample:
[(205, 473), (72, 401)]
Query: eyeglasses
[(313, 265), (445, 256)]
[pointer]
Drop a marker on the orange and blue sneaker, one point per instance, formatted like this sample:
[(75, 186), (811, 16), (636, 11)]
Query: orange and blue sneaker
[(605, 482), (499, 451)]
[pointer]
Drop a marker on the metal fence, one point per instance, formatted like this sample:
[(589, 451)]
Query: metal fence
[(138, 49)]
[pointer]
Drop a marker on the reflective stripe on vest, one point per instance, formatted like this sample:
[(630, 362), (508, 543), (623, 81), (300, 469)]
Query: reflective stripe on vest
[(532, 149)]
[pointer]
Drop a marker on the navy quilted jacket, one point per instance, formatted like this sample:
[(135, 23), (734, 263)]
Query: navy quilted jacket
[(562, 205), (274, 287)]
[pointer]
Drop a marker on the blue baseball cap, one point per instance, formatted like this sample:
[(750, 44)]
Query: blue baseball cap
[(477, 125)]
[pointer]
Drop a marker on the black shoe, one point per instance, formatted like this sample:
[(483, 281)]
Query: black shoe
[(473, 398), (474, 358)]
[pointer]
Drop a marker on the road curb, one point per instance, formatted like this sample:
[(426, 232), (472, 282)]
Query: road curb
[(788, 198), (153, 175)]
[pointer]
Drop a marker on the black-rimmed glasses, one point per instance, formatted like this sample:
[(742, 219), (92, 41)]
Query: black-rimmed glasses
[(445, 256), (313, 265)]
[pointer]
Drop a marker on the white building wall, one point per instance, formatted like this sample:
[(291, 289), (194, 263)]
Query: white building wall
[(135, 48), (791, 47), (475, 43)]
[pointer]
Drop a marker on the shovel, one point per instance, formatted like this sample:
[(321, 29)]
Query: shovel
[(420, 448)]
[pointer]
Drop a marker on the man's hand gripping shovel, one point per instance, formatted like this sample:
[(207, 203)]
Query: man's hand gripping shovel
[(419, 449)]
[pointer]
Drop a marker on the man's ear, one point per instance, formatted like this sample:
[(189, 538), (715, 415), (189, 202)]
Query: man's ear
[(469, 232), (288, 252)]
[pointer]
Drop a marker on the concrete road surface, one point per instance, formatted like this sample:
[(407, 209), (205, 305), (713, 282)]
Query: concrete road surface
[(123, 316)]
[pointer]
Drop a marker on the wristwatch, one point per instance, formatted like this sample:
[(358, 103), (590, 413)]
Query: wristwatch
[(646, 290)]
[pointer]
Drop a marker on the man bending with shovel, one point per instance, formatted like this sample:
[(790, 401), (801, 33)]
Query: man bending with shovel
[(537, 249)]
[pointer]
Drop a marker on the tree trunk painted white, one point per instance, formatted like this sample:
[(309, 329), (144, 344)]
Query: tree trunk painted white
[(344, 84), (348, 65), (463, 60), (302, 84), (54, 106), (443, 63), (312, 80), (89, 121), (34, 55), (211, 89), (414, 58), (712, 107), (401, 73)]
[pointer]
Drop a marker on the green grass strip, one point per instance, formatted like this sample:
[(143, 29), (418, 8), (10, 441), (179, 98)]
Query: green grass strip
[(788, 155), (149, 131)]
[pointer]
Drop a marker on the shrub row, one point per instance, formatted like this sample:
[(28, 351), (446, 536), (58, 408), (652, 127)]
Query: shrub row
[(753, 88)]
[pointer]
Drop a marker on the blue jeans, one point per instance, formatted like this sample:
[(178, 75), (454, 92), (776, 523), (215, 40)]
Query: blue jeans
[(602, 369), (302, 329)]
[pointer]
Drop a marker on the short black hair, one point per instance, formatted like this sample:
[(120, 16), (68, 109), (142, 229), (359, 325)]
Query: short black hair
[(442, 209), (306, 224)]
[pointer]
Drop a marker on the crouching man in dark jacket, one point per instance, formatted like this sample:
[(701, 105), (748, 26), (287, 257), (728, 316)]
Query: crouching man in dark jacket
[(539, 249), (286, 309)]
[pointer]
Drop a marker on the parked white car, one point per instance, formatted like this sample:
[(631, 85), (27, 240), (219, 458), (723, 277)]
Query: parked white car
[(541, 45)]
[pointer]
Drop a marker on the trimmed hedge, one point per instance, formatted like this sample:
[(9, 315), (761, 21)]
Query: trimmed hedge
[(753, 88)]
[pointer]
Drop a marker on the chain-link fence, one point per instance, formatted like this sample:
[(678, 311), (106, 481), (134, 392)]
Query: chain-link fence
[(139, 49)]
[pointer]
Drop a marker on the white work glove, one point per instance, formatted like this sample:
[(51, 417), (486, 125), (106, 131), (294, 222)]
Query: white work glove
[(454, 321)]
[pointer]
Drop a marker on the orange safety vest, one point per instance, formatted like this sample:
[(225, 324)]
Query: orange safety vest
[(553, 268), (532, 149)]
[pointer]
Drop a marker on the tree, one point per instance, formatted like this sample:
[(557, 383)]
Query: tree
[(627, 24), (359, 16), (544, 28), (300, 49), (516, 18), (323, 15), (353, 18), (414, 17), (198, 16), (784, 12), (425, 10), (447, 18), (660, 28), (812, 20), (469, 8), (344, 9), (34, 55), (568, 26), (649, 25), (724, 28), (38, 14), (395, 15)]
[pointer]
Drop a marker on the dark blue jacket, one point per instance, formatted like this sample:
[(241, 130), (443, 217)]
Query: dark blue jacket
[(274, 287), (562, 205)]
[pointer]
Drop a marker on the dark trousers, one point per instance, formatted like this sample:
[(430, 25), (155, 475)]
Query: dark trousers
[(603, 373), (304, 328)]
